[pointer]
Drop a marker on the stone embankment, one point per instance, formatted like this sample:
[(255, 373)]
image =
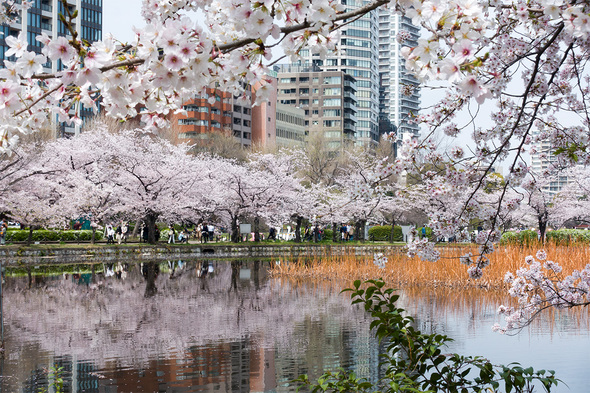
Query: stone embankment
[(130, 253)]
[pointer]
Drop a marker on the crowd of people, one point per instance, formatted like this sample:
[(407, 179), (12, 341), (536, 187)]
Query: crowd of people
[(120, 233), (203, 232)]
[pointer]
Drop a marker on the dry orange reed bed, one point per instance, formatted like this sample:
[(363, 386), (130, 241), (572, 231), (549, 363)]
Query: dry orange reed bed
[(447, 272)]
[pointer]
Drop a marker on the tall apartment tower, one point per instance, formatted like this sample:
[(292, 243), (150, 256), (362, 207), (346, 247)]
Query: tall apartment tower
[(399, 99), (43, 17), (328, 99), (543, 160), (357, 56)]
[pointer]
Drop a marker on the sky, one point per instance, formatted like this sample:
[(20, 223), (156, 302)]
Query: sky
[(119, 16)]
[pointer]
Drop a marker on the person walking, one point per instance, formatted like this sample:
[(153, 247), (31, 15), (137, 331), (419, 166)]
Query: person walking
[(211, 230), (110, 234), (3, 231), (124, 231), (171, 234), (204, 233)]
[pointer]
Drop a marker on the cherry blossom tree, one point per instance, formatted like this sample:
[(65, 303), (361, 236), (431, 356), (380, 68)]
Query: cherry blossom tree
[(572, 202), (284, 195), (107, 175), (527, 58)]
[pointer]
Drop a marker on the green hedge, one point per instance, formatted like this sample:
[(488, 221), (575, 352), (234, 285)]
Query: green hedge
[(43, 235), (382, 233), (568, 236), (524, 238)]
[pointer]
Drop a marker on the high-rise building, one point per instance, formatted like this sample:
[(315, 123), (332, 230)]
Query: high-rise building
[(543, 160), (399, 98), (43, 17), (388, 97), (328, 99), (357, 56)]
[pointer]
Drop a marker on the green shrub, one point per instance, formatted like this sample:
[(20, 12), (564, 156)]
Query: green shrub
[(44, 235), (383, 232), (509, 238), (327, 235), (564, 237), (523, 238)]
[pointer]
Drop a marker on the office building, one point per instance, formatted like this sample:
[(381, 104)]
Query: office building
[(543, 160)]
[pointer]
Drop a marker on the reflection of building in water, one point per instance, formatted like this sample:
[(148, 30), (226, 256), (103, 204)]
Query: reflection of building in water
[(78, 376)]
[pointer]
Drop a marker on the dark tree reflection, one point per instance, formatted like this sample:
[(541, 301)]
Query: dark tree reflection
[(150, 271)]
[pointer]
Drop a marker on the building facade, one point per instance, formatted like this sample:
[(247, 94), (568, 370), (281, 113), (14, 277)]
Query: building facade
[(357, 56), (264, 118), (328, 99), (211, 112), (290, 126), (399, 98), (542, 160), (43, 17)]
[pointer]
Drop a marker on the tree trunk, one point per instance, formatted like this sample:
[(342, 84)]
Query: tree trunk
[(136, 229), (359, 230), (335, 233), (93, 236), (391, 234), (256, 275), (542, 227), (298, 222), (30, 237), (235, 230), (150, 223), (256, 229)]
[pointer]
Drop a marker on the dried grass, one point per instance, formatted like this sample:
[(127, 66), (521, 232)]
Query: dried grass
[(448, 272)]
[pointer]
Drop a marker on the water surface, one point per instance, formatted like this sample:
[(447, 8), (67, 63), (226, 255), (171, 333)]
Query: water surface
[(212, 326)]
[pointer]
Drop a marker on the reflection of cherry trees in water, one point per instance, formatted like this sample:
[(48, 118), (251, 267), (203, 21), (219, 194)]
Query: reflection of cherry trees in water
[(160, 308)]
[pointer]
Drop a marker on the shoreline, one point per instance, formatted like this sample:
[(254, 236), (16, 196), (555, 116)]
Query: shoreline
[(17, 254)]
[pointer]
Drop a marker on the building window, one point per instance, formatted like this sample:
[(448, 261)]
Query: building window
[(332, 91), (193, 122), (332, 123), (332, 102), (332, 112), (332, 80)]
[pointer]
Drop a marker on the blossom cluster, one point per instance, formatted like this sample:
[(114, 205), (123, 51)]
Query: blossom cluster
[(169, 60), (380, 260), (540, 285)]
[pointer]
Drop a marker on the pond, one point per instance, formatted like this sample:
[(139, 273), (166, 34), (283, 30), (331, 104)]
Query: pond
[(208, 326)]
